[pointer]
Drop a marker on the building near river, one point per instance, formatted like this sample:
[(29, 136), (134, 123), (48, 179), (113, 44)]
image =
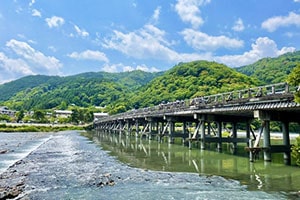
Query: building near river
[(5, 111), (99, 115), (63, 113)]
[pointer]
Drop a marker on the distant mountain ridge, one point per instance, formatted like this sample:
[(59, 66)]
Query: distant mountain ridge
[(188, 80), (272, 70), (92, 88)]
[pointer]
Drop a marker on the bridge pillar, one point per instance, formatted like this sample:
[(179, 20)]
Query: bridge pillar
[(267, 141), (249, 143), (202, 135), (121, 127), (266, 118), (219, 135), (190, 140), (171, 132), (286, 142), (209, 132), (184, 130), (137, 128), (234, 135), (150, 129), (128, 127)]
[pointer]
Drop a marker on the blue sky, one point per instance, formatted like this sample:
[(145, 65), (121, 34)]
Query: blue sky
[(66, 37)]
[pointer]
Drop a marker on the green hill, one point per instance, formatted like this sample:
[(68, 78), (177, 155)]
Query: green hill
[(46, 92), (272, 70), (8, 90), (187, 80)]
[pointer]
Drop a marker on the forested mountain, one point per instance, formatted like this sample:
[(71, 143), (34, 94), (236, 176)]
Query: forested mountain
[(8, 90), (46, 92), (187, 80), (272, 70)]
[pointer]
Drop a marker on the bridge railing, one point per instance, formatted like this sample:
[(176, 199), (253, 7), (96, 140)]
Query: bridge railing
[(239, 96)]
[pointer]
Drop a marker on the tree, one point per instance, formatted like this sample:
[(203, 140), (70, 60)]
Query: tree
[(39, 116), (294, 80), (20, 115), (296, 150), (5, 118), (75, 116)]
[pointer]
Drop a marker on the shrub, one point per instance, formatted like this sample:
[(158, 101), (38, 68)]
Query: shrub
[(296, 151)]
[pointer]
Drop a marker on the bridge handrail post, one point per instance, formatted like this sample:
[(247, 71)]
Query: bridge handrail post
[(287, 88), (273, 89), (249, 93), (240, 94)]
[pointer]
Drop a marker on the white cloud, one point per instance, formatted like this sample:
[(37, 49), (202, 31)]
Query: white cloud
[(147, 69), (111, 68), (202, 41), (52, 48), (149, 43), (188, 11), (36, 13), (263, 47), (55, 21), (31, 2), (36, 59), (274, 23), (11, 69), (89, 55), (297, 1), (14, 65), (125, 68), (81, 32), (155, 16), (238, 25), (146, 43)]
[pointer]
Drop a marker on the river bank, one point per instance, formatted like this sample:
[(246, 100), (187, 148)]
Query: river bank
[(31, 127), (66, 165)]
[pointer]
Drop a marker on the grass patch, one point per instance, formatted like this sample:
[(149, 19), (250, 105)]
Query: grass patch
[(32, 128)]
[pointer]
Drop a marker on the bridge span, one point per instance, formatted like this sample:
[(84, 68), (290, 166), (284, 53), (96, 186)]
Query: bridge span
[(216, 119)]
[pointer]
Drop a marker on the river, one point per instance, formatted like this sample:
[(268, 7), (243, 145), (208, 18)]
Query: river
[(73, 165)]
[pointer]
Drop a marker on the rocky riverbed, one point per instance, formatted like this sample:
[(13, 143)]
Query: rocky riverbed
[(67, 165)]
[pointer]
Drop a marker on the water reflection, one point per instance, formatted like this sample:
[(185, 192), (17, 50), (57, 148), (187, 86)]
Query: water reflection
[(150, 154)]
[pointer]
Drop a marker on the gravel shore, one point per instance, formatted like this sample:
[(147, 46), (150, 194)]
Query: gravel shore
[(69, 166)]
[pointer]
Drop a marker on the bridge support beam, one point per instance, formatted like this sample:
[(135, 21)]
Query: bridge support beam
[(267, 141), (265, 117), (184, 131), (202, 134), (129, 127), (219, 135), (286, 142), (234, 135), (137, 127)]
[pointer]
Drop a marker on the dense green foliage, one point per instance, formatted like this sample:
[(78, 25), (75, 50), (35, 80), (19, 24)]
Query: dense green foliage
[(294, 79), (296, 151), (272, 70), (98, 89), (9, 89), (188, 80)]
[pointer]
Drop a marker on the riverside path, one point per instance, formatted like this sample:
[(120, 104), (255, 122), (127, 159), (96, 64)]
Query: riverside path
[(206, 119)]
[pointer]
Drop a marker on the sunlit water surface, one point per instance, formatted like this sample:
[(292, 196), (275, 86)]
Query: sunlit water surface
[(271, 177), (70, 165)]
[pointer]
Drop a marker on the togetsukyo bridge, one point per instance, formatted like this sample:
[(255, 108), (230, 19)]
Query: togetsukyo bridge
[(202, 119)]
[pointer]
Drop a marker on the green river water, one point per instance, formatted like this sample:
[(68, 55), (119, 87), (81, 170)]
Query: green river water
[(149, 154)]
